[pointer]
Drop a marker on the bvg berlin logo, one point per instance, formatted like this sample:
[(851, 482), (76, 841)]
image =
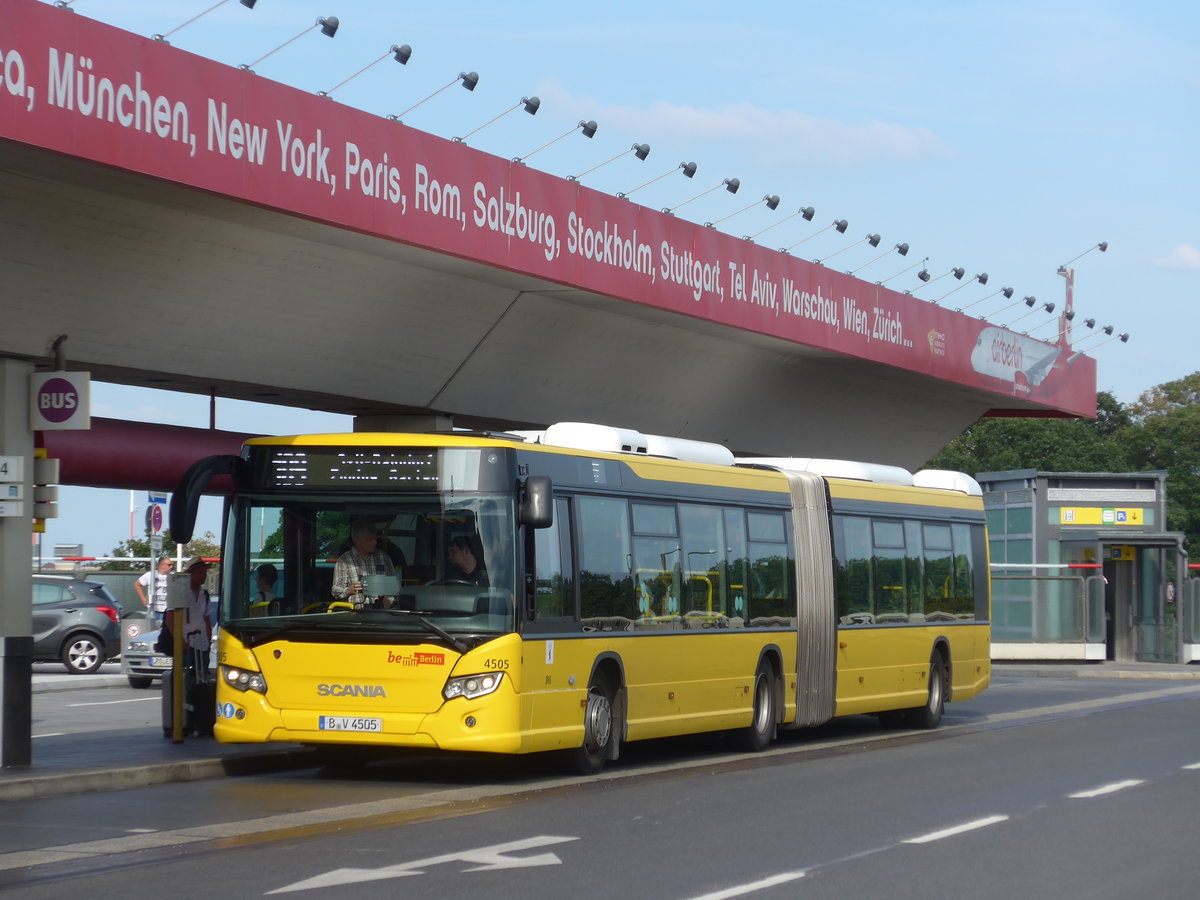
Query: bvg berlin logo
[(416, 659)]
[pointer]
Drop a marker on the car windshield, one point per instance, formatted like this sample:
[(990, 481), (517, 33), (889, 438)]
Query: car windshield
[(429, 565)]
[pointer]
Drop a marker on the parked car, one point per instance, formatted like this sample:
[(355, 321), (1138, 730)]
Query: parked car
[(75, 622), (141, 663)]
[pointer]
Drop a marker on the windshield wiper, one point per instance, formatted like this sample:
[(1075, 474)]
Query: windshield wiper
[(420, 615), (253, 639), (322, 621)]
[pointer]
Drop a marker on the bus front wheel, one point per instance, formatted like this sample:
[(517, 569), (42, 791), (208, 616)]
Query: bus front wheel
[(598, 736)]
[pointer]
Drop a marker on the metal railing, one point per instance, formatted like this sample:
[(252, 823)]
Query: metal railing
[(1048, 602), (1191, 599)]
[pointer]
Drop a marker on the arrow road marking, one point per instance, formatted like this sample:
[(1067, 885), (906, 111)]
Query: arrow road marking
[(487, 859)]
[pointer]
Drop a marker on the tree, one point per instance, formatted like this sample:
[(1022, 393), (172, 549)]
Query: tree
[(1160, 432), (1048, 445), (1165, 436), (1167, 398), (199, 546)]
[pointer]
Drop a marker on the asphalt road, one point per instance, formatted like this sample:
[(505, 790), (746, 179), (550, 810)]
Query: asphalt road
[(1041, 787)]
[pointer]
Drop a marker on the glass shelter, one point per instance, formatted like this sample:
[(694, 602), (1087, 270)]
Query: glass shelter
[(1083, 568)]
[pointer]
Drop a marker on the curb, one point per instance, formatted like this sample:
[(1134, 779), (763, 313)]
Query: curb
[(1163, 672), (45, 685), (79, 781)]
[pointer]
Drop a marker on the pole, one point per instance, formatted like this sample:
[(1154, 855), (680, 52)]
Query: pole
[(1064, 321), (178, 597)]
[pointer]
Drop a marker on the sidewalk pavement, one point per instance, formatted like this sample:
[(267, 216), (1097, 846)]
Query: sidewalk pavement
[(67, 764)]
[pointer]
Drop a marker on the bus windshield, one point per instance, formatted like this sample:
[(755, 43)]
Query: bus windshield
[(432, 566)]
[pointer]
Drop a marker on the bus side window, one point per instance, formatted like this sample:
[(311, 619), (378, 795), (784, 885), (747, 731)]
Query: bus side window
[(939, 572), (770, 594), (554, 587), (606, 586), (852, 535), (890, 582)]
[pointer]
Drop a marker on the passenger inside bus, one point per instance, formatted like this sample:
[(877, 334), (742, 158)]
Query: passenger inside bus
[(364, 558), (265, 602)]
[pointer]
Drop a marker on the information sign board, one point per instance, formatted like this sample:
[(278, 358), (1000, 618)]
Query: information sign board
[(12, 468)]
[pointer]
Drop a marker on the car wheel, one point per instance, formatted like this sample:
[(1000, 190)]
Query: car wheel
[(141, 682), (82, 654)]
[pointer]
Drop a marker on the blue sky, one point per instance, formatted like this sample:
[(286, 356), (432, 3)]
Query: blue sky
[(1005, 138)]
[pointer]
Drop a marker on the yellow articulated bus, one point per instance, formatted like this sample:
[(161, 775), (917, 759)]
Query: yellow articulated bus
[(581, 587)]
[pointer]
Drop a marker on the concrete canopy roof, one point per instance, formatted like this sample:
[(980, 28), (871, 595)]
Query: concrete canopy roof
[(182, 265)]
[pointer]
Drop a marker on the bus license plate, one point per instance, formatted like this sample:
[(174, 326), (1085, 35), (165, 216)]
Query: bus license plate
[(350, 723)]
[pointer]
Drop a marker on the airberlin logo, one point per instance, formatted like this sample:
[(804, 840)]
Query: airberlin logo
[(1008, 353), (417, 659)]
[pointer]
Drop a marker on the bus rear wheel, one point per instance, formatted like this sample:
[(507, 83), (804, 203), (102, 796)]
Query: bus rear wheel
[(598, 736), (929, 716), (761, 731)]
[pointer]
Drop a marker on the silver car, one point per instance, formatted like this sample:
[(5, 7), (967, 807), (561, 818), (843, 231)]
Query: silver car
[(141, 664)]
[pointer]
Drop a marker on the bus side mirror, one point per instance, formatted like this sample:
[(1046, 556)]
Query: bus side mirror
[(537, 504), (186, 498)]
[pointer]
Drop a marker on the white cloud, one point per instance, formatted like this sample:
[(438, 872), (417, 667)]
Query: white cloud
[(1185, 256), (805, 137), (781, 138)]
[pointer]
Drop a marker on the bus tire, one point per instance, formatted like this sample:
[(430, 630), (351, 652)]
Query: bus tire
[(929, 716), (759, 734), (598, 729)]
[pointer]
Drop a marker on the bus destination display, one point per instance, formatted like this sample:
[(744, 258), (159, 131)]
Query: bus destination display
[(352, 469)]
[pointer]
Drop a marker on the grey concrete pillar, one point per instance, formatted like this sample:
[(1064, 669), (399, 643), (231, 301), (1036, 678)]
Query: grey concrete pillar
[(16, 585), (415, 423)]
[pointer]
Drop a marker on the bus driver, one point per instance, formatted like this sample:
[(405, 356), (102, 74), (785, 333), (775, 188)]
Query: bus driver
[(465, 565)]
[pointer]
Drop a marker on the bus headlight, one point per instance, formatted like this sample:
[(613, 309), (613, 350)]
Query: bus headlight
[(243, 679), (472, 686)]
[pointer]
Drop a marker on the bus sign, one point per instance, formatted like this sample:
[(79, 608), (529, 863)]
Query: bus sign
[(60, 401)]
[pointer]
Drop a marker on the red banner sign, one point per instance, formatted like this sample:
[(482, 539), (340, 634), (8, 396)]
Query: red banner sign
[(82, 88)]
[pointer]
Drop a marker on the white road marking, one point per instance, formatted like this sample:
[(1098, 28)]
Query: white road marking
[(488, 859), (743, 889), (115, 702), (1106, 789), (1192, 766), (49, 734), (956, 829)]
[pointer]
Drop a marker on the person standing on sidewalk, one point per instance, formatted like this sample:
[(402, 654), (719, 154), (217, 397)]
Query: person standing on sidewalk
[(197, 625), (151, 589)]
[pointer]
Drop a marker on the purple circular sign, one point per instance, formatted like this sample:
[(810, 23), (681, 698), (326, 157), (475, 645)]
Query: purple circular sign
[(57, 400)]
